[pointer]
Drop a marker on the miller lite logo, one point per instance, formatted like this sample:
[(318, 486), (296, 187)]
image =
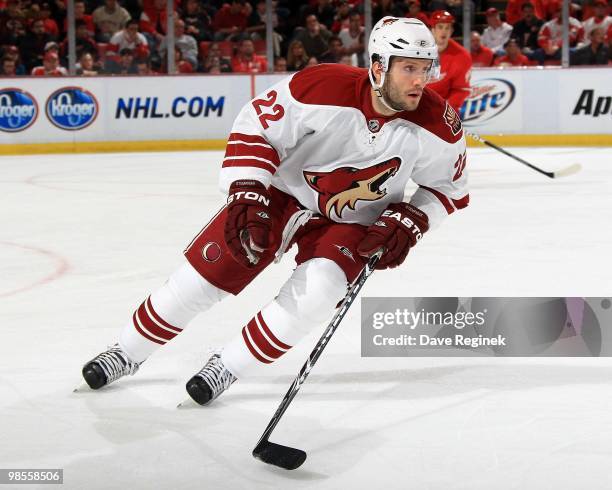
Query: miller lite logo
[(488, 98)]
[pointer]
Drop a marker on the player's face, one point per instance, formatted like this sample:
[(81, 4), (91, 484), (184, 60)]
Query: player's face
[(404, 83), (442, 33)]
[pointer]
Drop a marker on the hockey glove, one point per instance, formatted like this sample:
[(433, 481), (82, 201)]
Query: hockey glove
[(398, 229), (248, 226)]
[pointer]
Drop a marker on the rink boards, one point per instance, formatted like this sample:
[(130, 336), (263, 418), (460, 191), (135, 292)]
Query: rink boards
[(530, 106)]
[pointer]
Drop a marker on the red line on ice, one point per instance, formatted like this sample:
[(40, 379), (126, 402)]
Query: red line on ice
[(61, 267)]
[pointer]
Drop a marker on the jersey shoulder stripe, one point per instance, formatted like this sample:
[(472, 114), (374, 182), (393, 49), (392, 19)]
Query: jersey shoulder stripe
[(328, 84)]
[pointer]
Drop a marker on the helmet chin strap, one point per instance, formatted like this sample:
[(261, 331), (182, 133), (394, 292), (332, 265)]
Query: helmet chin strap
[(378, 89)]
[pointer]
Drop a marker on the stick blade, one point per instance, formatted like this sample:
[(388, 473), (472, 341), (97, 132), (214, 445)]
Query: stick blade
[(285, 457), (572, 169)]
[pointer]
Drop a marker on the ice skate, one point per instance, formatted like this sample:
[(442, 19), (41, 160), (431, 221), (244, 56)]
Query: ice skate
[(212, 380), (107, 367)]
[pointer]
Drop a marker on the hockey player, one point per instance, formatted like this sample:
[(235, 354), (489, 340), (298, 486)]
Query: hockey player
[(321, 161), (455, 61)]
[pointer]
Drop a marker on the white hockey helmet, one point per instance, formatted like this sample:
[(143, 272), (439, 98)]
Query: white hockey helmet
[(393, 36), (406, 37)]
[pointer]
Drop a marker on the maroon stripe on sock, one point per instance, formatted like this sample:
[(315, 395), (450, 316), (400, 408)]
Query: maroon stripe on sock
[(269, 332), (252, 349), (153, 327), (160, 319), (150, 326), (260, 341), (143, 333)]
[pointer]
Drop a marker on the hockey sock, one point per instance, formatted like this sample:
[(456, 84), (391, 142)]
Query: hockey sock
[(304, 301), (164, 314)]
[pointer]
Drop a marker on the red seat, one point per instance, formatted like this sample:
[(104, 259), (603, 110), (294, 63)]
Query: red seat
[(260, 46), (102, 51), (204, 45), (227, 48)]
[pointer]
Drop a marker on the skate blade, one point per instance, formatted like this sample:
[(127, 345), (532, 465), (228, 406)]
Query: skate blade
[(81, 388), (188, 403)]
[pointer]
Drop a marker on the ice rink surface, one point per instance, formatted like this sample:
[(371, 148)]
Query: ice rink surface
[(84, 238)]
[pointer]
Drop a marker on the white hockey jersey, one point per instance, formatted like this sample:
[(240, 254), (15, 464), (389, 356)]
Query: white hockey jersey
[(315, 135)]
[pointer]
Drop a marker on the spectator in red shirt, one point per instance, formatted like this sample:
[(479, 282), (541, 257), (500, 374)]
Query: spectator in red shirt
[(550, 37), (79, 14), (414, 11), (481, 55), (513, 56), (44, 13), (154, 21), (230, 21), (246, 61), (455, 62), (50, 67), (341, 19), (514, 10), (600, 19)]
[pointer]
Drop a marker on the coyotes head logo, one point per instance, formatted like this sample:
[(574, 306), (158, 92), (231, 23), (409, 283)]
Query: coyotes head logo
[(346, 185)]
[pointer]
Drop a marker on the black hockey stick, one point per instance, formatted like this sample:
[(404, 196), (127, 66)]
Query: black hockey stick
[(564, 172), (291, 458)]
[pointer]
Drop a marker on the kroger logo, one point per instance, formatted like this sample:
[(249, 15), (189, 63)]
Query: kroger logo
[(488, 98), (72, 108), (18, 110)]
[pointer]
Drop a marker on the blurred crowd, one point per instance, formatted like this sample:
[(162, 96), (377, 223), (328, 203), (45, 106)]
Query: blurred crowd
[(129, 36), (530, 33)]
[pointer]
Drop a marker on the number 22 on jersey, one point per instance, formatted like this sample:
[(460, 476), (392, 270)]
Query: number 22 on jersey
[(268, 110)]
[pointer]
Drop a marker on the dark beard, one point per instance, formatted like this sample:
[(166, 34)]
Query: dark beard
[(388, 96)]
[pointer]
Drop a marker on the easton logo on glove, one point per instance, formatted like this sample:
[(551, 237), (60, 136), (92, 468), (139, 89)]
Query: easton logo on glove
[(248, 225), (397, 230), (246, 194), (406, 221)]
